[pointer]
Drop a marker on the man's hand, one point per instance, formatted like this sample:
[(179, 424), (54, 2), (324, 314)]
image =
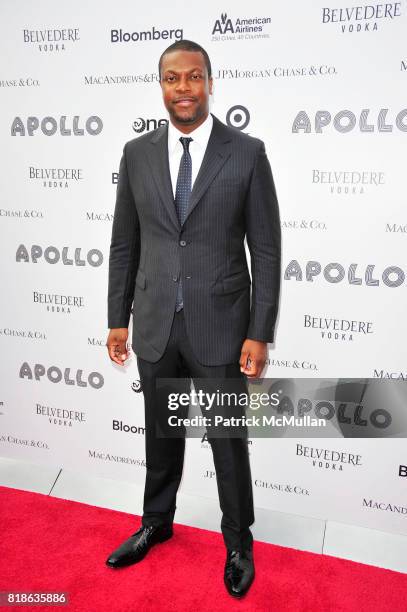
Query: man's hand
[(117, 345), (256, 352)]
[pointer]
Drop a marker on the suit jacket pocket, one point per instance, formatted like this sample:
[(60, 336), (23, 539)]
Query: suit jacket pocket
[(236, 282), (141, 279)]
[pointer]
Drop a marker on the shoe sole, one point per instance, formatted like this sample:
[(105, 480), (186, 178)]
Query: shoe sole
[(121, 565)]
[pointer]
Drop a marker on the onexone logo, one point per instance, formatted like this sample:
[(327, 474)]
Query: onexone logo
[(238, 116), (345, 121), (50, 125), (52, 255), (119, 36), (55, 375), (146, 125)]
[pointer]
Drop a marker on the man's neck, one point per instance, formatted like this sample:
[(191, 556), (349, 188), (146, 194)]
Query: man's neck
[(188, 128)]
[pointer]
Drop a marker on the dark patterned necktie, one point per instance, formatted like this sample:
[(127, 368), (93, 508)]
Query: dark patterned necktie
[(182, 195)]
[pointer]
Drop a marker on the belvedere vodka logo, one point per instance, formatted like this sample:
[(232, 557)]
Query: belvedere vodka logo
[(361, 18), (51, 40), (60, 416), (57, 302), (55, 178), (330, 328), (327, 458), (348, 182)]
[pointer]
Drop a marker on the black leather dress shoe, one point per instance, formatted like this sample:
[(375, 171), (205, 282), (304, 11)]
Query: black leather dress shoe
[(239, 572), (137, 546)]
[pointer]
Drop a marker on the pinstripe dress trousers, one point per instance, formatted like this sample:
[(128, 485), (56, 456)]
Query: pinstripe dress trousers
[(165, 455)]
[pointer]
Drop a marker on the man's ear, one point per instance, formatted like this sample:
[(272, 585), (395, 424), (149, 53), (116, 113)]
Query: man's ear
[(210, 85)]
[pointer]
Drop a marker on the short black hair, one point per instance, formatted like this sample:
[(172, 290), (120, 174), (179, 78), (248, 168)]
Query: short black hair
[(186, 45)]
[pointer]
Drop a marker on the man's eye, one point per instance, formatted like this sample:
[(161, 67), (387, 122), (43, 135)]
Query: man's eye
[(170, 79), (196, 76)]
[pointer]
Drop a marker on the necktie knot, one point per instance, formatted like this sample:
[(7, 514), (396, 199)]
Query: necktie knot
[(185, 142)]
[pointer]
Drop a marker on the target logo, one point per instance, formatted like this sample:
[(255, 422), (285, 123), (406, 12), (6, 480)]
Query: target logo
[(238, 117)]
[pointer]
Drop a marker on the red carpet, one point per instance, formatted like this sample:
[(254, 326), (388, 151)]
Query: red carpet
[(52, 544)]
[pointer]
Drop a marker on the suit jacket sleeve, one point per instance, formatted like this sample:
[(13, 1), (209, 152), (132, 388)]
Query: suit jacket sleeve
[(263, 233), (124, 252)]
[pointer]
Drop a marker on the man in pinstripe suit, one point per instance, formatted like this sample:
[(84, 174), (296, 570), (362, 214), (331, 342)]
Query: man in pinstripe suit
[(188, 195)]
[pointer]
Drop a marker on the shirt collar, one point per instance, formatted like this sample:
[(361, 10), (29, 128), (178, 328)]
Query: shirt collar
[(200, 135)]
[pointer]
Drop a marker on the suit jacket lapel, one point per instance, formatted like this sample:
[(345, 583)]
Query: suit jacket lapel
[(216, 154), (157, 155)]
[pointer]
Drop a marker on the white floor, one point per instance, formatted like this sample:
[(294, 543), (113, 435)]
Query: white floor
[(368, 546)]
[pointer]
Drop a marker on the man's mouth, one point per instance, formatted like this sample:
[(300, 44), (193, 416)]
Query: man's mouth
[(184, 102)]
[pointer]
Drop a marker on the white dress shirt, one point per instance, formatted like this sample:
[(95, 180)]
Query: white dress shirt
[(197, 148)]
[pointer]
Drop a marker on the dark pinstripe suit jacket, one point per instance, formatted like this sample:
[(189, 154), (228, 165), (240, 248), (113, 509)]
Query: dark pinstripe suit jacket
[(233, 196)]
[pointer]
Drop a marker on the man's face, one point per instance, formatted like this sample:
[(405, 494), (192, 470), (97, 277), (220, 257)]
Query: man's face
[(186, 88)]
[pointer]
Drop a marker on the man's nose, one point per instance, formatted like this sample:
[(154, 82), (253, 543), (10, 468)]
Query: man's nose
[(183, 84)]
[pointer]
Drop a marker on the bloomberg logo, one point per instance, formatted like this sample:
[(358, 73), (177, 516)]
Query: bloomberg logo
[(118, 36), (120, 426)]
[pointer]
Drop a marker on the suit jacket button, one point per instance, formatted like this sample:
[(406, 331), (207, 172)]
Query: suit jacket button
[(175, 278), (183, 243)]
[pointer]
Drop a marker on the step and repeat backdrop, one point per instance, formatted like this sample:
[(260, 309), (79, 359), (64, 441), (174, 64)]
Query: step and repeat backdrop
[(323, 84)]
